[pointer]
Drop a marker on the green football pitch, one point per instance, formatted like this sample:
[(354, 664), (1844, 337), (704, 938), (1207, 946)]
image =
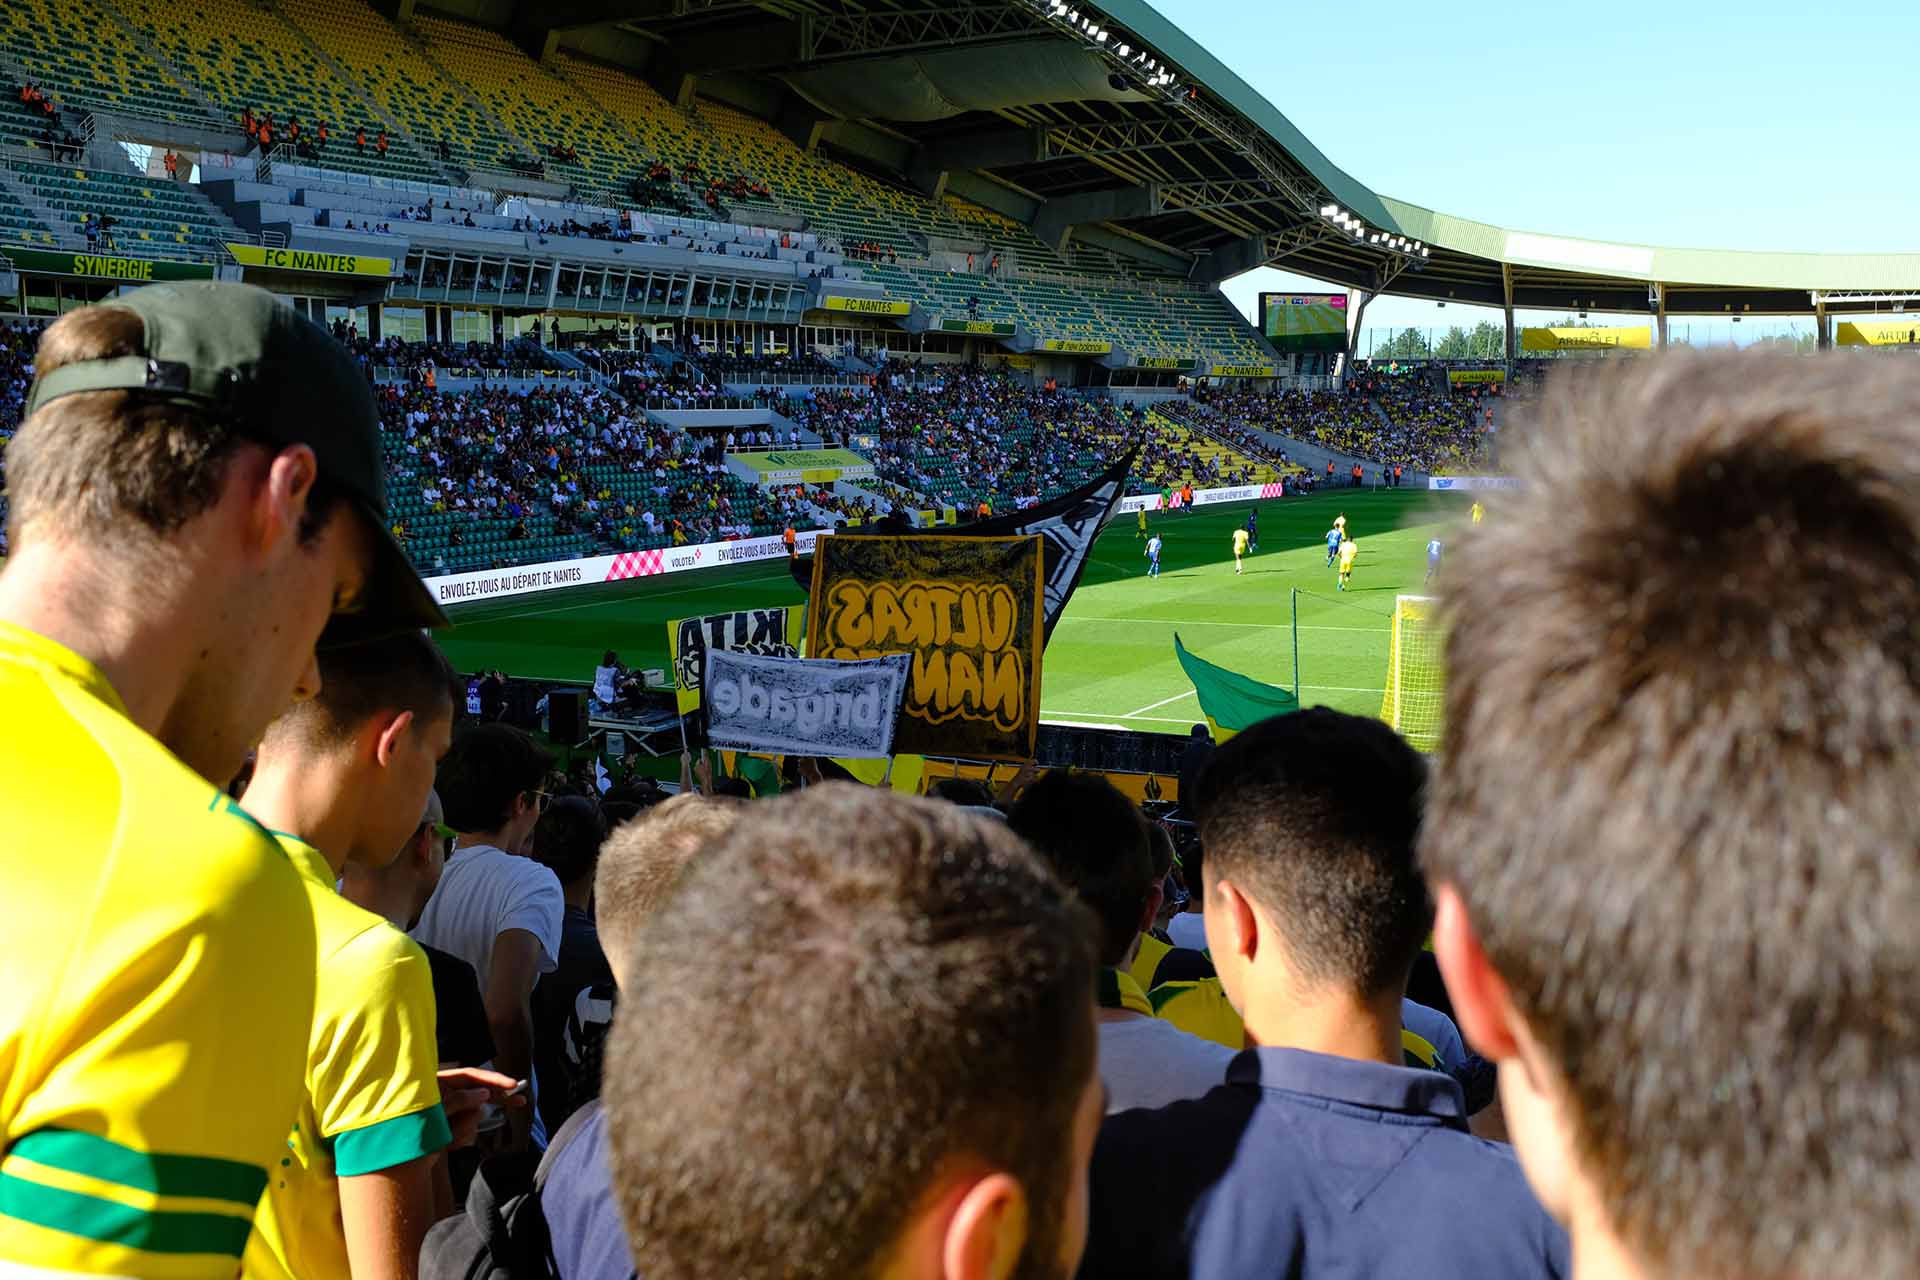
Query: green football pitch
[(1111, 659)]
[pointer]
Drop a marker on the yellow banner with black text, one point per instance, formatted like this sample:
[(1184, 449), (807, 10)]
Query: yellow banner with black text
[(865, 306), (1625, 337), (309, 261), (970, 613)]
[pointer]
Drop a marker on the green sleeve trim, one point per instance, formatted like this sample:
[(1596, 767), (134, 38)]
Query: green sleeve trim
[(110, 1222), (391, 1142), (164, 1174)]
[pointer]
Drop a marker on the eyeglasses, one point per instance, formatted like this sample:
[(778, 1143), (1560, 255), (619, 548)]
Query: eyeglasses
[(542, 799)]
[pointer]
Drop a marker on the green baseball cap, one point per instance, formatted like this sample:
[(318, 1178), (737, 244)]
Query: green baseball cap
[(232, 350)]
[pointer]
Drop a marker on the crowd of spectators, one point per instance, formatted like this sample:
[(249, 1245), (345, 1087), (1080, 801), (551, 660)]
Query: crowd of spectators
[(1171, 457), (17, 342), (962, 436), (1649, 913), (571, 461), (1414, 425), (458, 359), (786, 367)]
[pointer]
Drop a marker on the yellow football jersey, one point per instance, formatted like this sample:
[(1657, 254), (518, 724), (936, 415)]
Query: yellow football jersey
[(1348, 550), (1239, 541), (372, 1097), (156, 989)]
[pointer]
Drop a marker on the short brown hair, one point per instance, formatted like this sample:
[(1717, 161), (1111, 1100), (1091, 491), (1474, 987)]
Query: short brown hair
[(852, 991), (642, 861), (120, 467), (1095, 840), (1315, 816), (405, 672), (1678, 797)]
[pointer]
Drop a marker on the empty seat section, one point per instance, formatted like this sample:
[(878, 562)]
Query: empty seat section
[(245, 56), (152, 217), (534, 103), (402, 81), (85, 59)]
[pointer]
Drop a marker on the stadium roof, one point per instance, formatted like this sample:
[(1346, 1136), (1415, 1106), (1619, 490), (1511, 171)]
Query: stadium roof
[(1110, 124)]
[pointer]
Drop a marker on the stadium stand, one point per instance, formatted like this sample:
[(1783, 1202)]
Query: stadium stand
[(17, 225), (403, 82), (108, 70), (534, 105), (247, 58), (147, 216)]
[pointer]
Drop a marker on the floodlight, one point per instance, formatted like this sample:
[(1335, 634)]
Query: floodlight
[(1121, 51), (1329, 210), (1426, 253)]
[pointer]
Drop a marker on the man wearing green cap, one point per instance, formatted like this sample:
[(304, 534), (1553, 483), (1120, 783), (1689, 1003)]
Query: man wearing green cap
[(195, 492)]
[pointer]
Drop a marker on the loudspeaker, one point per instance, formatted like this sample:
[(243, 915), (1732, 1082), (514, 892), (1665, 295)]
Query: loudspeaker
[(566, 716)]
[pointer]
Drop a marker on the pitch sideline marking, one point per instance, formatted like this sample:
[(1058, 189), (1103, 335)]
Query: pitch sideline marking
[(1163, 702)]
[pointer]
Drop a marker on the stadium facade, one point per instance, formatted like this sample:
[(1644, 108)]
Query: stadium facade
[(1055, 188)]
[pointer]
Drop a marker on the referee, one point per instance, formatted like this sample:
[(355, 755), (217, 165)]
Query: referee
[(196, 491)]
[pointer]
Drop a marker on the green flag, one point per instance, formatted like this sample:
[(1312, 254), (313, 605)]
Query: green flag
[(1230, 701)]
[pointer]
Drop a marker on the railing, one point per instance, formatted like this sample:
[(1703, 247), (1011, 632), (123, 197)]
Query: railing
[(794, 379), (663, 404)]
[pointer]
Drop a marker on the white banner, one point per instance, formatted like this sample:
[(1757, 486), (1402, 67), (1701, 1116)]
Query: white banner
[(803, 706), (1468, 483), (1206, 497), (493, 584)]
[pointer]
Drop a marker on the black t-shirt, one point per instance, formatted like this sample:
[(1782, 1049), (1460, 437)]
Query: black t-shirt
[(461, 1019), (581, 965)]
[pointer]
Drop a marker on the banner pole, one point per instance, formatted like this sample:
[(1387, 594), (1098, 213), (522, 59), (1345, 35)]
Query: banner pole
[(1296, 645)]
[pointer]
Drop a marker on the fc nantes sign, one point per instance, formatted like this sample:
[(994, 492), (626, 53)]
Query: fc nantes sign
[(331, 264), (865, 306), (1243, 371)]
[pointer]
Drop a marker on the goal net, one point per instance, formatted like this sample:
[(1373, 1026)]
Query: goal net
[(1415, 687)]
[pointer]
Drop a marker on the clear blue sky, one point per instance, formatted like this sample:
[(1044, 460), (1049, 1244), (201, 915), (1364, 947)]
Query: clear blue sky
[(1758, 125)]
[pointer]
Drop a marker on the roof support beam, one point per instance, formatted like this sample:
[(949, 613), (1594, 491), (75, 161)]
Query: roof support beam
[(1199, 197), (1057, 218), (1126, 137), (825, 37)]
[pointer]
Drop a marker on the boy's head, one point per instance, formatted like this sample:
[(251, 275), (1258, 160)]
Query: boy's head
[(1095, 840), (376, 730), (895, 1077), (642, 861), (567, 839), (493, 781), (1309, 822), (202, 443), (1674, 839)]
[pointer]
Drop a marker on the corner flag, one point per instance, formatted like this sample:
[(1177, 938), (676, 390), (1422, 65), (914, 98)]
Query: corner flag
[(1230, 701)]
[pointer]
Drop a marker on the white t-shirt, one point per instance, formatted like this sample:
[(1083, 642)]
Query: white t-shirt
[(1188, 929), (1150, 1063), (483, 892)]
